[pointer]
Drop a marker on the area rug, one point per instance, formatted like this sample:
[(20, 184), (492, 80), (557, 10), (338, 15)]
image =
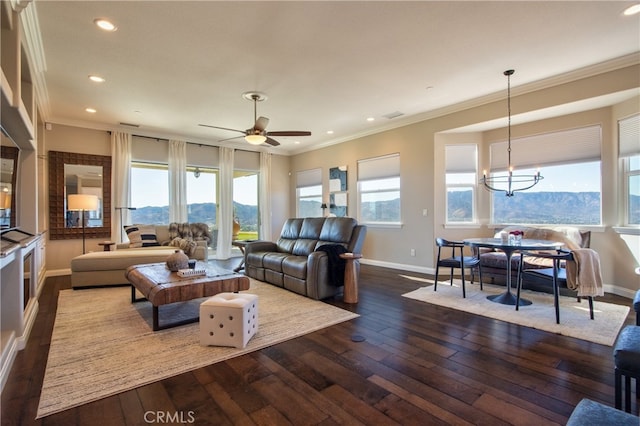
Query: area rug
[(574, 316), (102, 344)]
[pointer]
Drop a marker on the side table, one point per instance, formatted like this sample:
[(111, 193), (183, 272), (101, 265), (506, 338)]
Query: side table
[(350, 277), (241, 244), (106, 245)]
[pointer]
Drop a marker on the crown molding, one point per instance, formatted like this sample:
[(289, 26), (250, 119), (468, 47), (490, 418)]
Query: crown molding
[(558, 80), (34, 50)]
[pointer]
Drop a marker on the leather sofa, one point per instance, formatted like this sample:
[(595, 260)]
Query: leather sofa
[(494, 262), (293, 262)]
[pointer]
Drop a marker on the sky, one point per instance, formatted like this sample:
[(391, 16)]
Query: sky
[(149, 187)]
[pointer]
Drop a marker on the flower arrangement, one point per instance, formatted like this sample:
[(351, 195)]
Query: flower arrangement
[(515, 236)]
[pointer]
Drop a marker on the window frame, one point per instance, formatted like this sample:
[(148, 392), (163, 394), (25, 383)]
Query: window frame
[(546, 150), (628, 173), (306, 179), (387, 169), (460, 168)]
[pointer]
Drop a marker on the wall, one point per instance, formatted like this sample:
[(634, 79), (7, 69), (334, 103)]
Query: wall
[(421, 148)]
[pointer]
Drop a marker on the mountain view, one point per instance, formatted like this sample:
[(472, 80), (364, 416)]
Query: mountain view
[(524, 207)]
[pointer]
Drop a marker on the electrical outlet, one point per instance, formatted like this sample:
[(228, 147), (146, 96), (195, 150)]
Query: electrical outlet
[(425, 212), (413, 252)]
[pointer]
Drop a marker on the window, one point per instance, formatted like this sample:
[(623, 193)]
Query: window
[(629, 152), (570, 192), (202, 185), (309, 193), (379, 190), (245, 203), (150, 193), (460, 180)]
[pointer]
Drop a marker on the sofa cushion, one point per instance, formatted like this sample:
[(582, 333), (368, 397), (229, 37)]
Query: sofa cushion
[(295, 266), (141, 235), (289, 235), (200, 231), (119, 259), (304, 246), (182, 230), (311, 227), (273, 261), (337, 230), (185, 244)]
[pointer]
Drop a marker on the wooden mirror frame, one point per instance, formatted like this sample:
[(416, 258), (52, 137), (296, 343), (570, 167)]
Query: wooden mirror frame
[(57, 217), (12, 153)]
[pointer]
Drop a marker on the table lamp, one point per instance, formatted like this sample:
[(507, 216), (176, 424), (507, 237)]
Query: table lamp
[(82, 202)]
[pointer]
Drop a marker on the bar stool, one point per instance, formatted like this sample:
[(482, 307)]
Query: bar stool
[(626, 356)]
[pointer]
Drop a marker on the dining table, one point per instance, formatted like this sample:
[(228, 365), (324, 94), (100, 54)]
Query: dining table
[(509, 248)]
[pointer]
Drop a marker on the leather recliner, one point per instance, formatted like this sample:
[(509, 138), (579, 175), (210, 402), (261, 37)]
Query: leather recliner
[(293, 262)]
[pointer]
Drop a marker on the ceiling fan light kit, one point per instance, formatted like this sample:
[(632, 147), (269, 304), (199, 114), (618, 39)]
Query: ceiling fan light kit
[(257, 135), (255, 139)]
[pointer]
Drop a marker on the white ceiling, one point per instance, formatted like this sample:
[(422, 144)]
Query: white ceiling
[(324, 65)]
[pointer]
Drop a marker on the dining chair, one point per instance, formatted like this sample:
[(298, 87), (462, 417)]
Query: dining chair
[(457, 262), (556, 275)]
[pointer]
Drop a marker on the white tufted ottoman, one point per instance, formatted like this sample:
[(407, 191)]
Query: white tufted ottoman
[(228, 319)]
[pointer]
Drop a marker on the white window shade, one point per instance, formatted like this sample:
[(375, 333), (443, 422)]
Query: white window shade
[(629, 136), (460, 158), (379, 167), (567, 146), (308, 178)]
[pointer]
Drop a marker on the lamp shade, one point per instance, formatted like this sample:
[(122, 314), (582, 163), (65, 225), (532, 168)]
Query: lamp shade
[(5, 200), (255, 139), (82, 202)]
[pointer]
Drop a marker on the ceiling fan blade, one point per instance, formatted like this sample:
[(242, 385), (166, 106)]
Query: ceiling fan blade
[(289, 133), (261, 124), (228, 139), (222, 128), (272, 142)]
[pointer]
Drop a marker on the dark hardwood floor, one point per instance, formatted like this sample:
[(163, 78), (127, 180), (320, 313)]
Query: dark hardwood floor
[(420, 364)]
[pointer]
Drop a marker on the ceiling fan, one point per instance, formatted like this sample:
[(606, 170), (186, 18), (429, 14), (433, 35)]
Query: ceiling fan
[(258, 134)]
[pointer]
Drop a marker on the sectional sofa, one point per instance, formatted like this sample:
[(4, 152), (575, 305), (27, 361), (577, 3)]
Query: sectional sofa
[(147, 244)]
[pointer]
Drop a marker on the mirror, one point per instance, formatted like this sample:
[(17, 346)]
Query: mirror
[(71, 173), (86, 180), (8, 172)]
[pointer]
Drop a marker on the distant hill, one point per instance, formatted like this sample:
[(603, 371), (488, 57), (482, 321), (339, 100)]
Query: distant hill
[(200, 212), (537, 207)]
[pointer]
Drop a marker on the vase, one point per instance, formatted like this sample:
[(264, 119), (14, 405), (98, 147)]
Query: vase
[(178, 260), (236, 228)]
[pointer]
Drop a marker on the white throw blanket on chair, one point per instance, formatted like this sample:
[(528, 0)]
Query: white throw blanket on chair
[(583, 274)]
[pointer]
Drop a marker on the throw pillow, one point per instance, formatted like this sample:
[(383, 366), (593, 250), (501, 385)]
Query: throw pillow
[(141, 235), (187, 245), (181, 230)]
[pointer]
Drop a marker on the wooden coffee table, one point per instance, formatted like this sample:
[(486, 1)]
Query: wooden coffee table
[(162, 287)]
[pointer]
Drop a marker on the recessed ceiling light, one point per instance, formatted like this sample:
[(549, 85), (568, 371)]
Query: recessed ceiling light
[(329, 132), (96, 79), (297, 142), (105, 24), (91, 110), (370, 119), (632, 10)]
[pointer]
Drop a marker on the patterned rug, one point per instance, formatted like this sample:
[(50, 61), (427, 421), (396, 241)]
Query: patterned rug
[(102, 344), (574, 316)]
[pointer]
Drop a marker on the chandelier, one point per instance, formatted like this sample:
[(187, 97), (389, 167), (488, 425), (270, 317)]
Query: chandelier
[(510, 183)]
